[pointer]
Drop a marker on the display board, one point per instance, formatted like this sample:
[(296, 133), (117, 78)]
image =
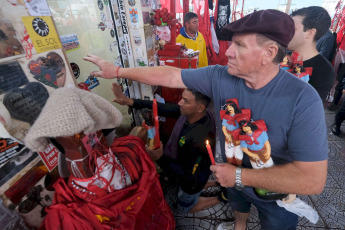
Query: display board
[(32, 66), (87, 27)]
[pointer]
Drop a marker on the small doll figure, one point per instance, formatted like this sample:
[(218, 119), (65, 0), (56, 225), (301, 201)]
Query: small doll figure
[(285, 63), (148, 124), (300, 72), (230, 118), (254, 142)]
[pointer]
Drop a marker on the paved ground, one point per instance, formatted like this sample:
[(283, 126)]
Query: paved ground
[(329, 204)]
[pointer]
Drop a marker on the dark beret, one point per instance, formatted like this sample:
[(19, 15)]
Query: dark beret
[(274, 24)]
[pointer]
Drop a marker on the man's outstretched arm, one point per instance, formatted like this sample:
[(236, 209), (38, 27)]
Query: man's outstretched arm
[(160, 75)]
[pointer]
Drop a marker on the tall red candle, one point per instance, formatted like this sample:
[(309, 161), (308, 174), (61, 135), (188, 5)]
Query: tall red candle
[(156, 123), (209, 150)]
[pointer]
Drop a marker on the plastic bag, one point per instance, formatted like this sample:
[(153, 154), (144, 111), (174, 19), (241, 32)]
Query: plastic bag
[(164, 33), (301, 209)]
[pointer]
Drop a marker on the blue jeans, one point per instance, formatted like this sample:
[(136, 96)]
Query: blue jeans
[(185, 201), (272, 217)]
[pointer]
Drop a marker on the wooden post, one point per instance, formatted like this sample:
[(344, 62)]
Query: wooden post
[(288, 4)]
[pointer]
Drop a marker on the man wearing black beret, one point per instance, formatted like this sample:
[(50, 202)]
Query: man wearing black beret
[(291, 109)]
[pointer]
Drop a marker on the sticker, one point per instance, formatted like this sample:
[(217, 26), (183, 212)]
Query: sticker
[(113, 46), (100, 5), (42, 33), (75, 69), (50, 157), (131, 2), (26, 104), (112, 33), (137, 40), (11, 76), (9, 147), (40, 27), (49, 70), (90, 142), (70, 42), (103, 17), (101, 26), (91, 82), (123, 17), (28, 46), (134, 17), (9, 44), (124, 51), (38, 7)]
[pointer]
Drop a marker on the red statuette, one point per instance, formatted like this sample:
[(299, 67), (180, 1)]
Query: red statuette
[(209, 150), (155, 117)]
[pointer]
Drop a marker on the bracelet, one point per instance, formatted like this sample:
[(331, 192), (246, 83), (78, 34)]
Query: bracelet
[(117, 72)]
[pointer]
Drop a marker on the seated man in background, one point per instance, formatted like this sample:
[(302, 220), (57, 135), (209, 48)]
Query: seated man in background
[(192, 38), (185, 153)]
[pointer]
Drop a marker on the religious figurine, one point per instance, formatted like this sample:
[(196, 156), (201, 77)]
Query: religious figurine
[(148, 124), (230, 118)]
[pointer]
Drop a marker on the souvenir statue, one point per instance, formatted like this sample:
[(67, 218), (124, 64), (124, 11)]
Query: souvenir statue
[(285, 63), (300, 72), (230, 118)]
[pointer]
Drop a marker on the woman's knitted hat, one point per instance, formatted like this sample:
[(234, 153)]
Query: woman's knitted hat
[(69, 111)]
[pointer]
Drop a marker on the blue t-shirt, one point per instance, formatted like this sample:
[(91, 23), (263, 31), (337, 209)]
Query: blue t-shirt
[(292, 110)]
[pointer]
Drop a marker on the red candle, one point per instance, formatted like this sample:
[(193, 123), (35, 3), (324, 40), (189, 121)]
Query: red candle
[(209, 150), (156, 123)]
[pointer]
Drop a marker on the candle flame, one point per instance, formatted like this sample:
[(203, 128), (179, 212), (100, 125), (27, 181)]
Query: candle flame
[(207, 142)]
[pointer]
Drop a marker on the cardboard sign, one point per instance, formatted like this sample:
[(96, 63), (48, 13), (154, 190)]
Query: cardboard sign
[(50, 157), (42, 33)]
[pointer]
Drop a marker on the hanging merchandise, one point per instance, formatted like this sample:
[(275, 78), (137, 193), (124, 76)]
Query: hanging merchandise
[(205, 29), (215, 43), (223, 10)]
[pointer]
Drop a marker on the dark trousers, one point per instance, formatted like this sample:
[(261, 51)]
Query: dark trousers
[(340, 116), (338, 93)]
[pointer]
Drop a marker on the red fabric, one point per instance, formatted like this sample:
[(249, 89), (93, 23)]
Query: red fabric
[(166, 4), (140, 206), (205, 29)]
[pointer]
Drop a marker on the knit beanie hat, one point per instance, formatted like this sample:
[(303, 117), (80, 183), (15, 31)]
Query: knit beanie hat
[(69, 111)]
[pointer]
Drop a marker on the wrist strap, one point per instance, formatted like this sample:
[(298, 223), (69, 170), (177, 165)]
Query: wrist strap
[(117, 72)]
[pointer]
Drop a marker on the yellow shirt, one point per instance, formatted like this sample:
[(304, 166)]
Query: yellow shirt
[(198, 44)]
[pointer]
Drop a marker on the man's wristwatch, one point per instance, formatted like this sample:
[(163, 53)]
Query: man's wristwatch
[(238, 182)]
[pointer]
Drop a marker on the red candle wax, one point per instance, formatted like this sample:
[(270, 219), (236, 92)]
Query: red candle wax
[(156, 123), (209, 150)]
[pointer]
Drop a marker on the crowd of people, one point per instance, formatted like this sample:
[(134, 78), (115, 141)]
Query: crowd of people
[(291, 138)]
